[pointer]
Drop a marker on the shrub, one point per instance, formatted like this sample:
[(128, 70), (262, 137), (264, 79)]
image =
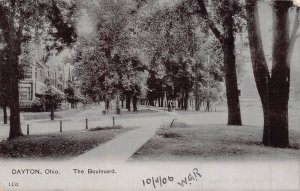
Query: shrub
[(106, 128), (37, 105)]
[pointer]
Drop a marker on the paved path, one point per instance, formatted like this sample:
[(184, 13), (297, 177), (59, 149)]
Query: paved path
[(121, 148)]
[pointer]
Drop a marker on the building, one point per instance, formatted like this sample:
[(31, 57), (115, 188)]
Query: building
[(33, 86)]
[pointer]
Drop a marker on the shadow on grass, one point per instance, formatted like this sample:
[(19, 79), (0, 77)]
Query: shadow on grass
[(58, 145), (106, 128), (213, 142)]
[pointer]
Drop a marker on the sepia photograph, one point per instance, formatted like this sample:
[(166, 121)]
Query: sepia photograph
[(149, 95)]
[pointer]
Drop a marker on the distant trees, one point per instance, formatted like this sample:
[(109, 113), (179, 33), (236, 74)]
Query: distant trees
[(175, 42), (106, 62), (178, 81)]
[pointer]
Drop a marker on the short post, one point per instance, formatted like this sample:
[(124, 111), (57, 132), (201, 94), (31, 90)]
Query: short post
[(113, 121), (215, 109), (86, 124), (27, 129), (60, 126)]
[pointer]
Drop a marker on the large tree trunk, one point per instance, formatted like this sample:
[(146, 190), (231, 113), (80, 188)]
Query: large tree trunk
[(15, 124), (233, 102), (14, 47), (4, 114), (276, 131), (273, 90)]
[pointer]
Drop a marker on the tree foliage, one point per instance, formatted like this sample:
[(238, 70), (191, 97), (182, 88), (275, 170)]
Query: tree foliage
[(20, 22)]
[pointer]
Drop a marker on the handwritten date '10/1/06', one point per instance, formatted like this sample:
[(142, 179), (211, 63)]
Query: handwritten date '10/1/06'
[(160, 181)]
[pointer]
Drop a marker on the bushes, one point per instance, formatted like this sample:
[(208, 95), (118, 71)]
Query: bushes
[(49, 99), (45, 103), (37, 105)]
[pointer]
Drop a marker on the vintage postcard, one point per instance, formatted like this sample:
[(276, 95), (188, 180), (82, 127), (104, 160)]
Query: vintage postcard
[(149, 95)]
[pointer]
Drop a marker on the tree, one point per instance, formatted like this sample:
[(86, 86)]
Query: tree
[(3, 87), (273, 87), (227, 10), (155, 88), (70, 95), (178, 80), (50, 98), (108, 55), (88, 68), (130, 81), (169, 38), (18, 18)]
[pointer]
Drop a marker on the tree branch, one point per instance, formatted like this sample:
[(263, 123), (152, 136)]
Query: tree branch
[(259, 63), (294, 36), (204, 14)]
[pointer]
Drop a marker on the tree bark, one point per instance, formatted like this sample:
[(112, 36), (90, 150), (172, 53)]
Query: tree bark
[(186, 100), (207, 106), (4, 114), (233, 102), (128, 103), (52, 110), (276, 132), (118, 111), (134, 103), (197, 106), (273, 90), (14, 47)]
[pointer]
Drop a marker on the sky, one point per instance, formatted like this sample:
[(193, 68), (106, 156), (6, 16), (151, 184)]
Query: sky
[(84, 25)]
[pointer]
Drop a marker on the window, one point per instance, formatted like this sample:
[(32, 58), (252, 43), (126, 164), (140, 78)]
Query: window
[(28, 73), (42, 75), (25, 93)]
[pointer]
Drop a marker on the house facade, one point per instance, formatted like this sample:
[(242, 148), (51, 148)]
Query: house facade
[(33, 86)]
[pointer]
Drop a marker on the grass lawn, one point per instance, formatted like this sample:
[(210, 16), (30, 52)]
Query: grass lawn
[(59, 145), (213, 142)]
